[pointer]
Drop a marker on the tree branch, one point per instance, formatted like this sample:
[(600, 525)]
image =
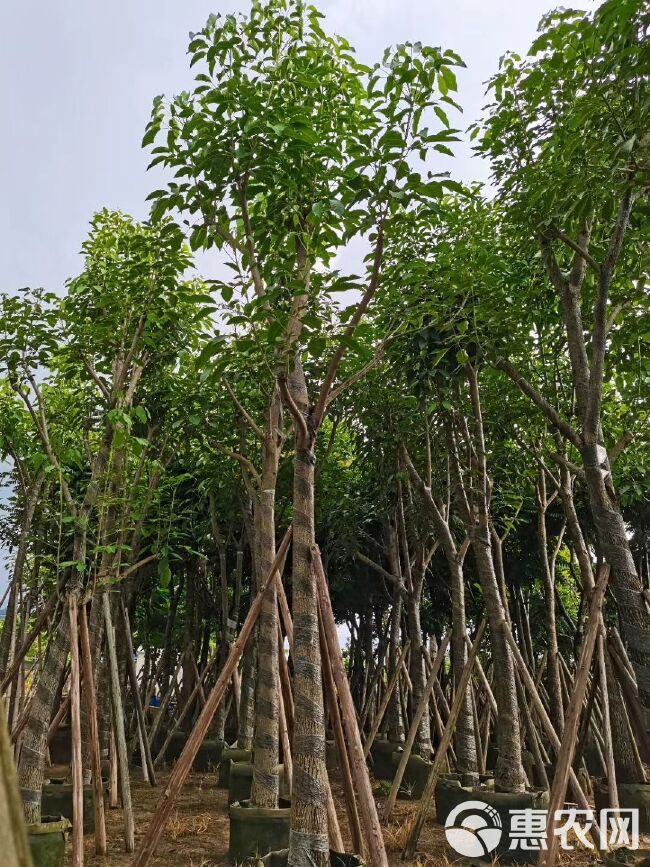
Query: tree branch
[(540, 402), (362, 306)]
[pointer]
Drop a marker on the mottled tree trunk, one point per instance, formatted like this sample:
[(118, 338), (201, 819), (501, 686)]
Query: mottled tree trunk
[(309, 839), (508, 772), (265, 788), (556, 709), (32, 755), (394, 711), (466, 758), (615, 547)]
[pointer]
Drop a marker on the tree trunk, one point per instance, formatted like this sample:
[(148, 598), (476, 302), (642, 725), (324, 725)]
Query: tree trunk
[(508, 773), (266, 780), (32, 754), (556, 710), (615, 548), (309, 841), (465, 738)]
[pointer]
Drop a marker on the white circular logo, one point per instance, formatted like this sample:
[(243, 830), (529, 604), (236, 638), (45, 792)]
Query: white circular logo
[(473, 828)]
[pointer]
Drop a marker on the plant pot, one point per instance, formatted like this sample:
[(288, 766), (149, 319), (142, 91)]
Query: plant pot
[(415, 776), (337, 859), (240, 782), (47, 841), (61, 746), (56, 800), (208, 756), (228, 755), (449, 794), (257, 830), (176, 746), (381, 753), (634, 795)]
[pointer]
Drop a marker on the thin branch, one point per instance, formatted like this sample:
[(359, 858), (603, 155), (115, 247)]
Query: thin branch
[(95, 377), (580, 251), (362, 306), (243, 460), (257, 430), (355, 377), (540, 402), (619, 447)]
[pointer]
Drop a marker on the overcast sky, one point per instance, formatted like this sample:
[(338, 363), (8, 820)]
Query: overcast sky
[(77, 78)]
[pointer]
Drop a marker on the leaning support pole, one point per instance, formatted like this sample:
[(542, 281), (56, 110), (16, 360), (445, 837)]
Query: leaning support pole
[(75, 731), (547, 725), (137, 700), (184, 764), (374, 837), (384, 702), (434, 773), (572, 719), (93, 732), (420, 710), (331, 699), (118, 727)]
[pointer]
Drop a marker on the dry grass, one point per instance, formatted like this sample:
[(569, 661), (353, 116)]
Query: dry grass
[(197, 833)]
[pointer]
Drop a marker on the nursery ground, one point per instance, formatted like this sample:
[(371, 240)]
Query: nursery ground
[(197, 833)]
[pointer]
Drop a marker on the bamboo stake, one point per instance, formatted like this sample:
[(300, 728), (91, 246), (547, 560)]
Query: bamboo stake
[(184, 764), (75, 731), (164, 704), (95, 755), (374, 838), (113, 798), (434, 773), (417, 716), (188, 704), (118, 726), (547, 725), (329, 688), (384, 702), (285, 740), (572, 718), (145, 752), (607, 727)]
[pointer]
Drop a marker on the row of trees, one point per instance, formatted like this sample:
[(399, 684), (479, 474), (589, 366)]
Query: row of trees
[(462, 428)]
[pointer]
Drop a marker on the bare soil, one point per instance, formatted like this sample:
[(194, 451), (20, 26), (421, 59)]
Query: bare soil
[(197, 833)]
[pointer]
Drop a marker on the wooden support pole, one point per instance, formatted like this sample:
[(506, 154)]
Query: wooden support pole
[(75, 732), (607, 728), (384, 702), (547, 725), (139, 711), (188, 704), (285, 740), (184, 764), (415, 723), (331, 697), (118, 727), (164, 704), (434, 773), (374, 837), (572, 718), (93, 732)]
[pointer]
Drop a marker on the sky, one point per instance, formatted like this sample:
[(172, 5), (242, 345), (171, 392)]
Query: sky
[(77, 79)]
